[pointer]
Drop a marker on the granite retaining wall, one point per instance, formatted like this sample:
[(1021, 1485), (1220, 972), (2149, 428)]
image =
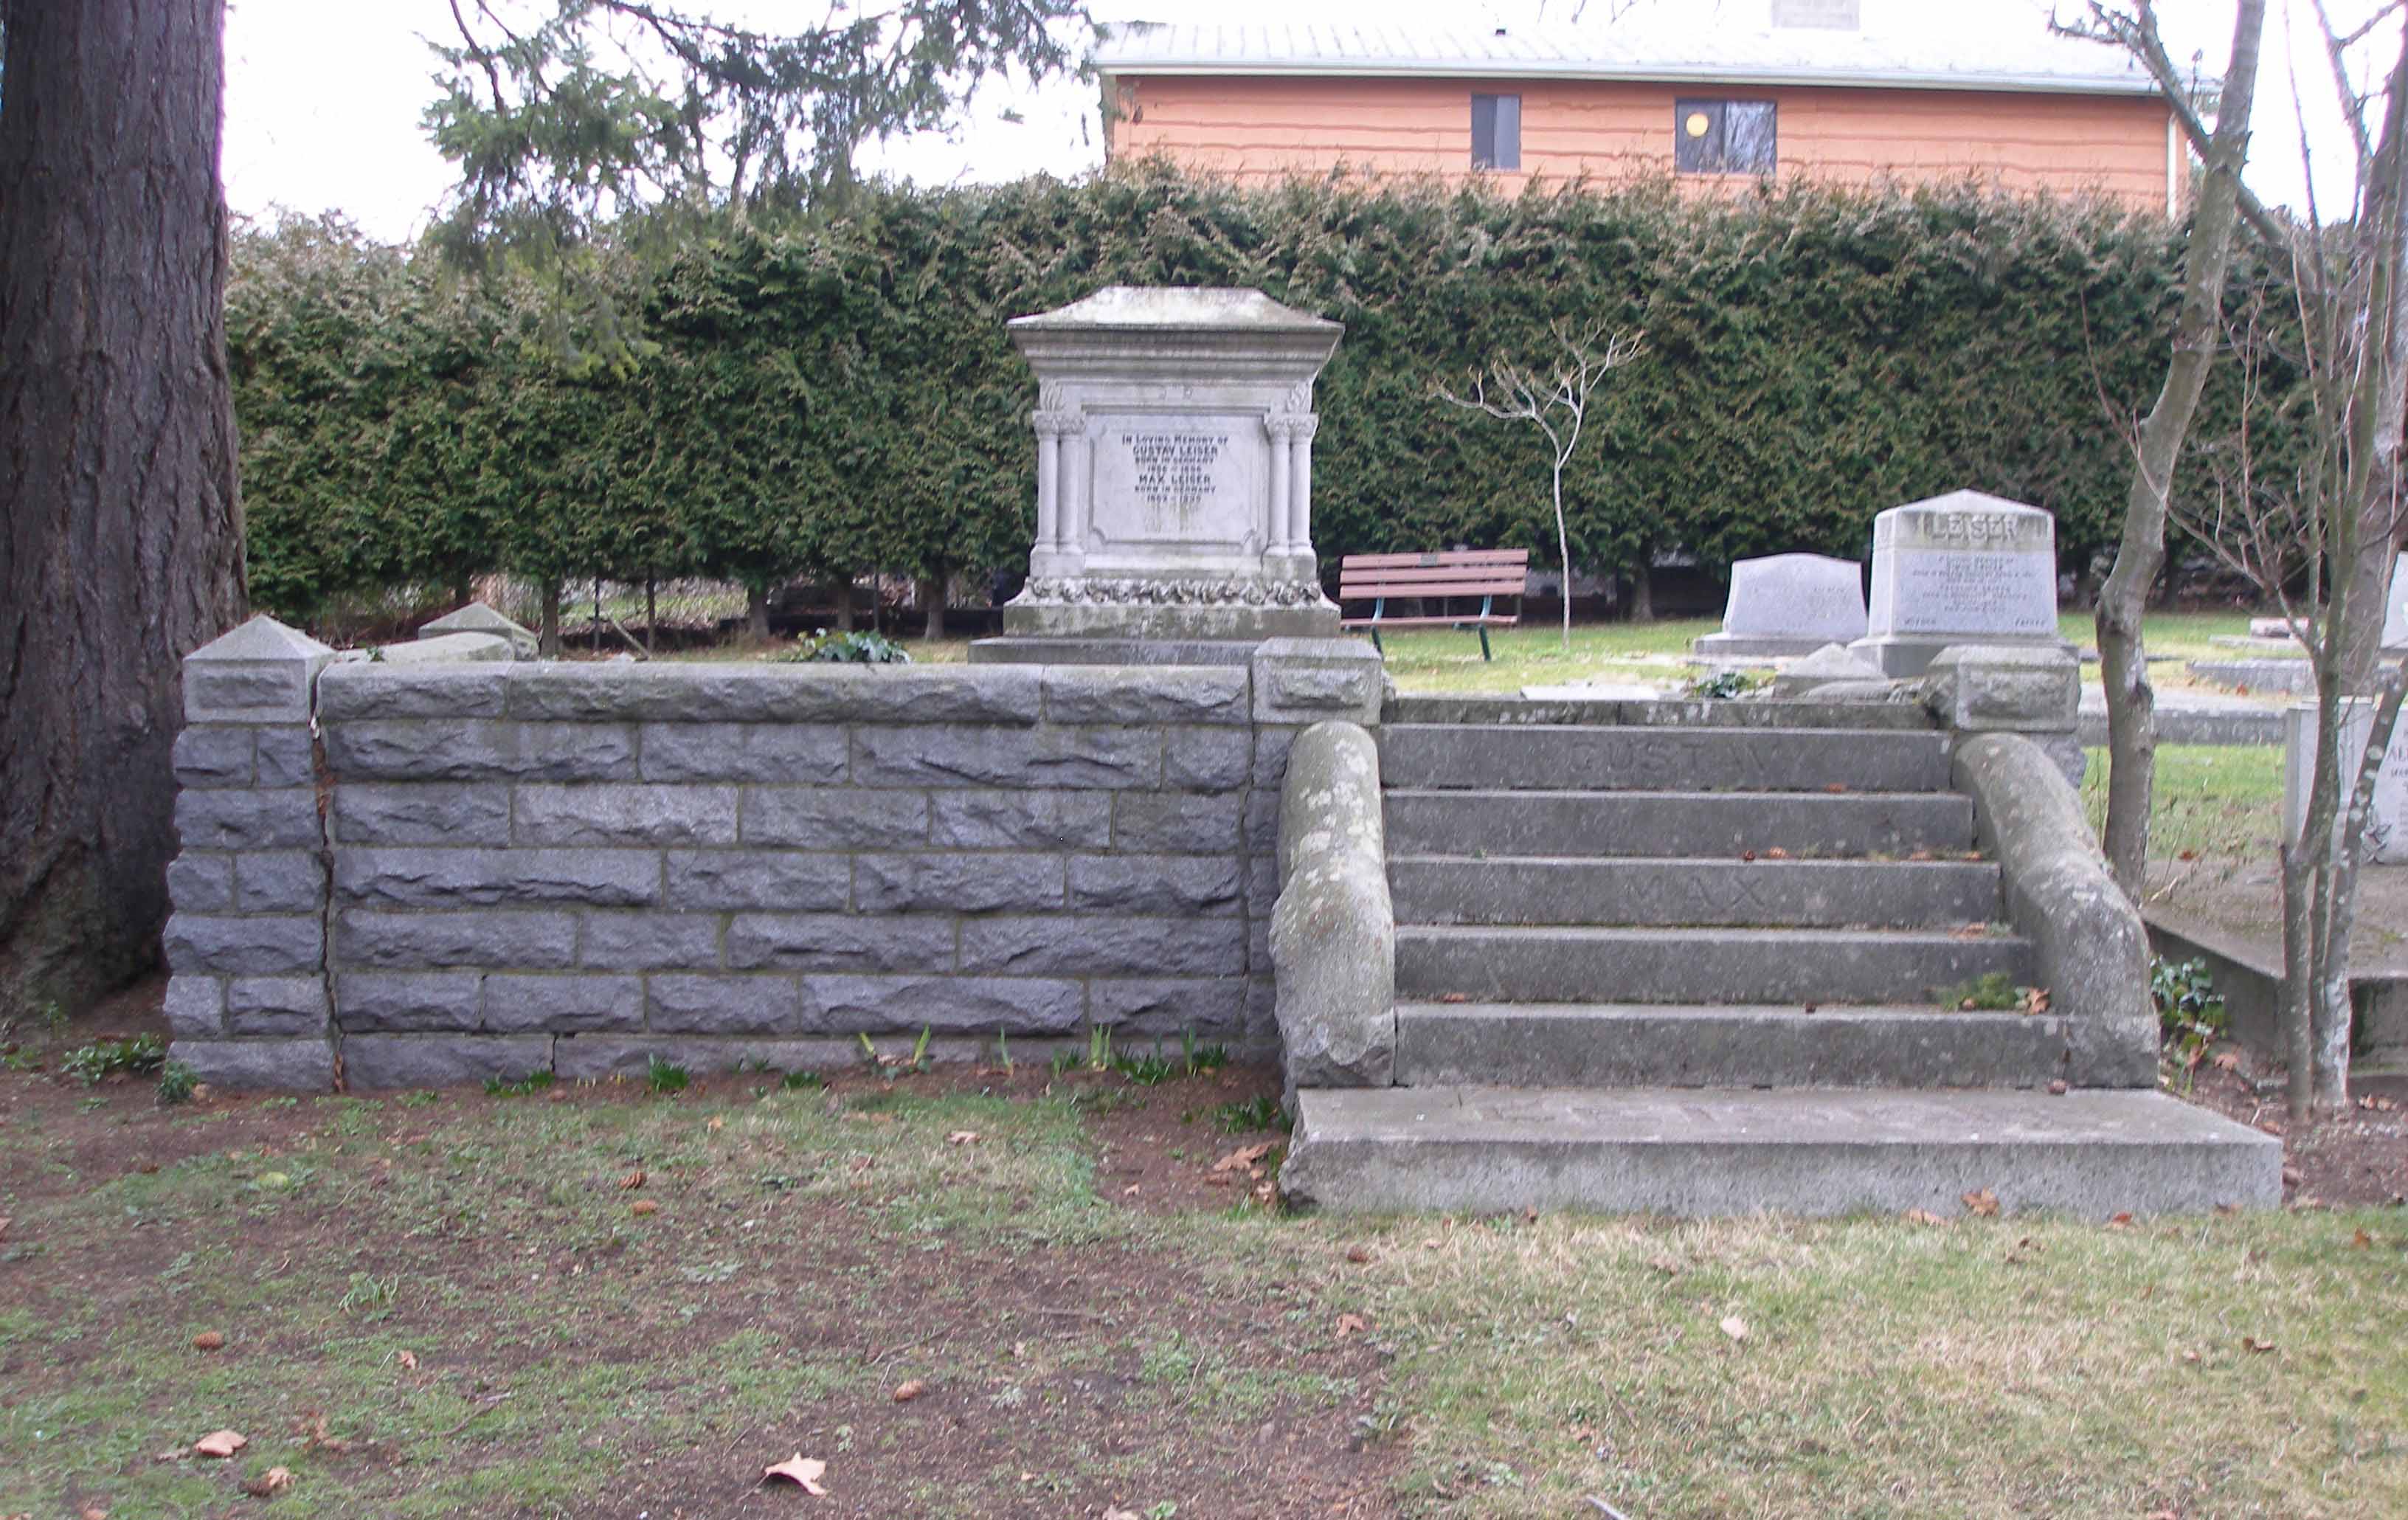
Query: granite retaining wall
[(415, 876)]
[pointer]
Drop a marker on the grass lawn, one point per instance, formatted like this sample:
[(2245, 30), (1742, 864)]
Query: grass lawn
[(455, 1304), (2211, 799)]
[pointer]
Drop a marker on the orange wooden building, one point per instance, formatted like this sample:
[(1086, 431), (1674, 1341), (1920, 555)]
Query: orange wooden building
[(1806, 92)]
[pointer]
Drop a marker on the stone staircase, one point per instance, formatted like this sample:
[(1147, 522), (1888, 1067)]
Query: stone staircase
[(1702, 968)]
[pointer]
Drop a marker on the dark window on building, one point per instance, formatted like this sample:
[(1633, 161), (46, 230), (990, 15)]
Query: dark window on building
[(1724, 136), (1497, 132)]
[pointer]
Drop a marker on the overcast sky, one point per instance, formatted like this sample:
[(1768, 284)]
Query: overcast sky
[(322, 96)]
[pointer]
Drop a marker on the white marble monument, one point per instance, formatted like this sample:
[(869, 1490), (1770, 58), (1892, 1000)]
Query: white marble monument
[(1786, 605), (1962, 569), (1174, 472), (2388, 827), (2395, 616)]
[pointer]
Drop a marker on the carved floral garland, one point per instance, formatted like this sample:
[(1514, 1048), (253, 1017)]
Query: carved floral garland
[(1083, 590)]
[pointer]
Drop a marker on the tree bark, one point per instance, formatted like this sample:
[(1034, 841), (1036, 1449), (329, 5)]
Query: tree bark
[(122, 547), (2140, 554), (756, 612), (547, 634), (932, 600), (844, 602)]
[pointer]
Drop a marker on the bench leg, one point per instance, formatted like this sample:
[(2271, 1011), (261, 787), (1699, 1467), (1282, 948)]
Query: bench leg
[(1484, 643), (1375, 643)]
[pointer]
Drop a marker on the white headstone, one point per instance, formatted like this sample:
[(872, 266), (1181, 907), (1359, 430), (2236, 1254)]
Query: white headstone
[(1174, 467), (2388, 826), (2395, 617), (1962, 569), (1788, 604)]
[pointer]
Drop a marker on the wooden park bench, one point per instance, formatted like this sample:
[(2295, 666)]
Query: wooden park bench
[(1424, 580)]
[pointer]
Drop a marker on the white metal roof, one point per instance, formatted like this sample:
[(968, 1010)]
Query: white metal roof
[(1736, 44)]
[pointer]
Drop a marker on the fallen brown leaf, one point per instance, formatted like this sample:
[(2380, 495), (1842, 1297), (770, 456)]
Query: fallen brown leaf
[(1984, 1203), (409, 1361), (274, 1481), (91, 1512), (2035, 1001), (718, 1121), (2251, 1344), (1130, 1191), (905, 1392), (2122, 1221), (1455, 997), (2056, 1088), (1734, 1327), (633, 1180), (1353, 1325), (1969, 931), (1121, 1515), (1358, 1254), (799, 1469), (963, 1137), (1836, 788), (1922, 1216), (1776, 852), (5, 1222), (220, 1444), (1243, 1158), (1747, 854), (207, 1340), (643, 1206)]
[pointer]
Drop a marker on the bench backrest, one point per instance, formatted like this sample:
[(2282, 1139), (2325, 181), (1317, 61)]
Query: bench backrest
[(1456, 572)]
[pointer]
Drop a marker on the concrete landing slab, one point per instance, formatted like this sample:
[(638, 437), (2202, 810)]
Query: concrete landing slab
[(1715, 1152)]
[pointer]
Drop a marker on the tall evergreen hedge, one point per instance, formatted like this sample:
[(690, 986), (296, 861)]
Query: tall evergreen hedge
[(842, 398)]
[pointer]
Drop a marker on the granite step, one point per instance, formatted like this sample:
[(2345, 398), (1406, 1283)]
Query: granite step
[(2093, 1154), (1559, 964), (1692, 1045), (1683, 823), (1667, 712), (1488, 757), (1557, 889)]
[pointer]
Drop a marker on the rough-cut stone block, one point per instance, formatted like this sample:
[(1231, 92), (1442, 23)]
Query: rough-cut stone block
[(415, 876), (242, 819), (1270, 754), (775, 879), (367, 690), (1262, 821), (261, 673), (279, 882), (724, 1005), (794, 753), (277, 1006), (607, 1057), (475, 749), (964, 883), (305, 1065), (518, 939), (833, 818), (1304, 681), (839, 942), (1021, 820), (940, 754), (1212, 1008), (642, 941), (214, 754), (1977, 689), (201, 884), (407, 1002), (1156, 883), (1095, 946), (1108, 694), (774, 694), (195, 1007), (287, 756), (625, 815), (563, 1004), (875, 1004), (374, 1061), (246, 946), (1177, 823), (444, 813), (1207, 759)]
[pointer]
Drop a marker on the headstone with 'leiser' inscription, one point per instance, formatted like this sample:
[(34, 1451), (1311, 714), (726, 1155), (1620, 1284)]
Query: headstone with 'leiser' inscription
[(1784, 605), (1962, 569)]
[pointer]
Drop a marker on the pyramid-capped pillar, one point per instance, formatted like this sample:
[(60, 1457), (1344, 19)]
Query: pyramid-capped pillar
[(261, 673)]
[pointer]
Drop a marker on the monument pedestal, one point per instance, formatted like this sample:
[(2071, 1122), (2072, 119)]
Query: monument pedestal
[(1174, 480)]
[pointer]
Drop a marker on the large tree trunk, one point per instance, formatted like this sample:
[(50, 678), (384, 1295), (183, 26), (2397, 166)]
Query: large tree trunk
[(932, 600), (2140, 556), (123, 549)]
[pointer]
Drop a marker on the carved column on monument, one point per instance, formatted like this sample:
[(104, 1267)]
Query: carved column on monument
[(1054, 428)]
